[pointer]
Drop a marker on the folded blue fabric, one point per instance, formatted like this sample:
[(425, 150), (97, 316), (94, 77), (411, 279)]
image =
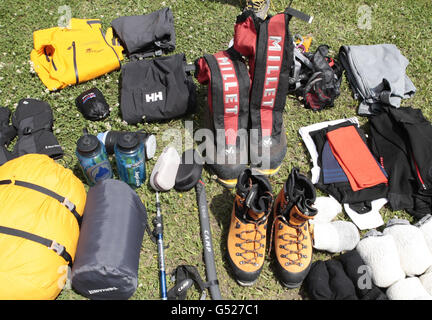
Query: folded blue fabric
[(332, 171)]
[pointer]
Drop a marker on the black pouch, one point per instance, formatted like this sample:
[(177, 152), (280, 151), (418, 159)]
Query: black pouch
[(189, 171), (146, 35), (92, 105), (157, 89)]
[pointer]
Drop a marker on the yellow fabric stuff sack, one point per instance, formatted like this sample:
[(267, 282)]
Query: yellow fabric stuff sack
[(75, 54), (30, 270)]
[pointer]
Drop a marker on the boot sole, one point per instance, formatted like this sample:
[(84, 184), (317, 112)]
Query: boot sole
[(246, 284), (269, 172), (228, 183), (291, 285)]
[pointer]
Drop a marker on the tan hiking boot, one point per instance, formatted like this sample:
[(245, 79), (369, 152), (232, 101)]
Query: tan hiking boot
[(247, 234), (292, 238)]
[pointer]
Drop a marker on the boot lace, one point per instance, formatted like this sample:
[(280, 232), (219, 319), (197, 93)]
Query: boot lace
[(291, 238), (257, 240), (256, 5)]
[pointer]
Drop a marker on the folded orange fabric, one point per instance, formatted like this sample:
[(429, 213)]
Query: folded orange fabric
[(355, 158)]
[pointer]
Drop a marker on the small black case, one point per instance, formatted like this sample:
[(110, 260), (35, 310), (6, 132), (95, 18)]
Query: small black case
[(189, 171), (92, 105)]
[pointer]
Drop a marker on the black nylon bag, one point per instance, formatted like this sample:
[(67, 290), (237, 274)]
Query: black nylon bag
[(156, 90), (146, 34), (112, 231), (92, 105)]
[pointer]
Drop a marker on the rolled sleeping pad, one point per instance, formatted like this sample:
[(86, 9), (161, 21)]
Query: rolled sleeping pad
[(107, 256)]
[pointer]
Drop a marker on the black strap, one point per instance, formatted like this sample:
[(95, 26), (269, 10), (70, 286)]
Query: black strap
[(51, 244), (140, 56), (63, 201), (189, 68), (298, 14), (185, 276)]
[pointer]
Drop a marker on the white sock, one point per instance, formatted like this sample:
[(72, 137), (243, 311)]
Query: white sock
[(408, 289), (425, 225), (327, 207), (380, 253), (413, 251), (325, 237), (336, 236), (349, 235), (426, 280)]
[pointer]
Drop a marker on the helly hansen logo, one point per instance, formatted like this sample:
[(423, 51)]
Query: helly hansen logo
[(153, 97)]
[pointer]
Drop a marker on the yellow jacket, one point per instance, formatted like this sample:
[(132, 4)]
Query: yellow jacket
[(81, 52)]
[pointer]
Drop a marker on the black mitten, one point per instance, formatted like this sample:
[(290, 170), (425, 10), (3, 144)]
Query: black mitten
[(92, 105), (33, 120), (7, 134), (356, 269), (317, 282), (340, 284)]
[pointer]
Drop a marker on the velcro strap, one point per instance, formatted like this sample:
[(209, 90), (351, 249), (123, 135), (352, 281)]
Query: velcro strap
[(35, 123), (63, 201), (298, 14), (50, 244), (211, 283), (184, 277)]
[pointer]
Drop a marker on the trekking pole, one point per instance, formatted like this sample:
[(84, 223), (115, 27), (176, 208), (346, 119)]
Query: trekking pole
[(158, 231), (206, 236)]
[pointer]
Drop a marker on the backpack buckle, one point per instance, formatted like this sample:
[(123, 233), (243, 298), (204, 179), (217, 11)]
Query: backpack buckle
[(58, 248), (68, 204)]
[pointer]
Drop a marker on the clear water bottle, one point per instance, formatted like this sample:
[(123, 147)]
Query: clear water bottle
[(130, 159), (93, 159)]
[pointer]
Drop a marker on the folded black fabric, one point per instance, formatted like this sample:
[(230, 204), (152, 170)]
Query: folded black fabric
[(401, 139), (342, 190), (146, 34), (156, 90)]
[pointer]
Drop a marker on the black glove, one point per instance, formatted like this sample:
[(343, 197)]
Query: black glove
[(33, 120), (327, 280), (7, 134), (366, 290)]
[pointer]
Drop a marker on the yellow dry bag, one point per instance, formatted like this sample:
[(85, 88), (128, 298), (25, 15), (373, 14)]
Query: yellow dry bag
[(41, 205)]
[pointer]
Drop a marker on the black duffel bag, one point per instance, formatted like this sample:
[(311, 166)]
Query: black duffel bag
[(157, 89)]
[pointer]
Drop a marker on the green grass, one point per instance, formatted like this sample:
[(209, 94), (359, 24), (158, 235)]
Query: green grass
[(206, 26)]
